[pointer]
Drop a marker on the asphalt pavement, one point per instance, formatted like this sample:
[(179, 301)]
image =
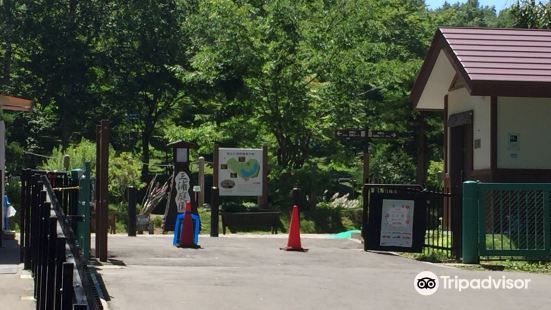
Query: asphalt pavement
[(16, 285), (251, 272)]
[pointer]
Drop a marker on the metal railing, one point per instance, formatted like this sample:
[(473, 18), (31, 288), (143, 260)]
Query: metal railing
[(506, 220), (49, 246), (439, 238)]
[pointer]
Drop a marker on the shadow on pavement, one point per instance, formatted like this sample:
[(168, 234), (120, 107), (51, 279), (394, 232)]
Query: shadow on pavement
[(9, 253), (9, 257)]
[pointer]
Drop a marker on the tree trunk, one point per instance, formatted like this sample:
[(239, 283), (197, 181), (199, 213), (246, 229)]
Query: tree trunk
[(145, 154)]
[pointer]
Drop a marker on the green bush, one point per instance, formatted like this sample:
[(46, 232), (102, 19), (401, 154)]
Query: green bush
[(124, 168), (238, 206), (79, 153), (317, 182), (124, 171), (434, 175)]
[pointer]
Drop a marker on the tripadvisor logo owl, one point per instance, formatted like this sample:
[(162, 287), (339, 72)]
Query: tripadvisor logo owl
[(426, 283)]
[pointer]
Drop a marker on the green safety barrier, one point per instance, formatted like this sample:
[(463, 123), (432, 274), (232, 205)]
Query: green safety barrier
[(506, 220)]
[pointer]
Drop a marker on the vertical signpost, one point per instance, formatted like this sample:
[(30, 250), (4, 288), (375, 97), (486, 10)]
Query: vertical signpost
[(364, 136), (180, 185), (102, 162)]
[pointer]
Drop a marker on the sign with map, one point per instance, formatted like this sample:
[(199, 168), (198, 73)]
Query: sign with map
[(240, 172)]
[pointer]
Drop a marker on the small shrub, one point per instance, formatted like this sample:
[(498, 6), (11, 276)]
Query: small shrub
[(340, 202)]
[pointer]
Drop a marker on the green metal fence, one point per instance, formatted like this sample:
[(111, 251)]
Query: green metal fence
[(506, 220)]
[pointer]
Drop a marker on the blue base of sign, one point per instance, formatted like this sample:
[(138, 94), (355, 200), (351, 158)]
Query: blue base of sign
[(178, 228)]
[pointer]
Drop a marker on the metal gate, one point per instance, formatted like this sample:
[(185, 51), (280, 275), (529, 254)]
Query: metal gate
[(50, 248), (439, 235), (506, 220)]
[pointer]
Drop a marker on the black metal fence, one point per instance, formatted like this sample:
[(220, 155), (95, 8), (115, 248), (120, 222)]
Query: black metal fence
[(439, 238), (48, 245)]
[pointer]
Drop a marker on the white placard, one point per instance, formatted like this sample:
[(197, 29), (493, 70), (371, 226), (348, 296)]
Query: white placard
[(181, 183), (181, 155), (397, 223), (240, 172)]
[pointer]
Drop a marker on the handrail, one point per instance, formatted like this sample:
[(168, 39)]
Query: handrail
[(83, 285), (50, 247)]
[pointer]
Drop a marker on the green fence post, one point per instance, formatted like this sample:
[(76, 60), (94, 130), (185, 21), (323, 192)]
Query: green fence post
[(469, 244), (83, 227)]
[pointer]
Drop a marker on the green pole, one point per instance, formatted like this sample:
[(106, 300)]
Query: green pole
[(83, 227), (469, 244)]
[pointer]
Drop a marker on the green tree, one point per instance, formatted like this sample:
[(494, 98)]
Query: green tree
[(529, 14), (141, 41), (468, 14)]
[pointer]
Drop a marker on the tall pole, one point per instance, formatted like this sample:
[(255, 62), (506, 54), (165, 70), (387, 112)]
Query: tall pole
[(2, 176), (97, 204), (263, 200), (102, 161), (201, 200), (215, 165), (366, 162), (132, 195)]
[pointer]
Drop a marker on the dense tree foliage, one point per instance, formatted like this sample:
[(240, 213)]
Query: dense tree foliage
[(237, 72), (531, 14)]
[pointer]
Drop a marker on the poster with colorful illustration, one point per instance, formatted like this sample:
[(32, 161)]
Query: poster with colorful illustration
[(397, 223), (240, 172)]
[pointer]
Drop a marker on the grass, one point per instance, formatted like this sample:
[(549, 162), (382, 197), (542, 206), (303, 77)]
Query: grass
[(522, 264), (500, 242), (437, 238), (518, 265)]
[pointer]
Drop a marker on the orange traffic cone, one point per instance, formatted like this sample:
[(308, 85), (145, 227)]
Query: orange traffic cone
[(293, 244), (187, 235)]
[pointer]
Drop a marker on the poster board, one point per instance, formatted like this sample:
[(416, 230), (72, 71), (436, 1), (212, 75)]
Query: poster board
[(240, 172), (397, 222)]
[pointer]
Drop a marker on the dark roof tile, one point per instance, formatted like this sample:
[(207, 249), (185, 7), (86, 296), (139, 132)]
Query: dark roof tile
[(500, 56)]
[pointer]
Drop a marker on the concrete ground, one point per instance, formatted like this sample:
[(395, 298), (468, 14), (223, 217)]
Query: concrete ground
[(16, 286), (246, 272)]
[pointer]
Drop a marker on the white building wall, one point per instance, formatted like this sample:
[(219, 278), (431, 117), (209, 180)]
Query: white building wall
[(529, 119), (460, 101)]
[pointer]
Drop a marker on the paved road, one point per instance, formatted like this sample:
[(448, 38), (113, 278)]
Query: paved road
[(15, 292), (252, 273)]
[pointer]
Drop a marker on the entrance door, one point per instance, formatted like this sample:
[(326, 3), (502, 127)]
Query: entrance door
[(461, 166)]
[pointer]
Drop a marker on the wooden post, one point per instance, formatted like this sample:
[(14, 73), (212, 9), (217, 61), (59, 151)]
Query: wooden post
[(2, 178), (214, 212), (263, 200), (201, 164), (366, 162), (132, 193), (97, 204), (102, 163), (365, 210), (179, 190), (215, 165)]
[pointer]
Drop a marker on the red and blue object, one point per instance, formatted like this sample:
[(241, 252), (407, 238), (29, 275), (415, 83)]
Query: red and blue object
[(186, 229)]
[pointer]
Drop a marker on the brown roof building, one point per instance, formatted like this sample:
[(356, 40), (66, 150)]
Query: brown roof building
[(488, 62), (493, 87)]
